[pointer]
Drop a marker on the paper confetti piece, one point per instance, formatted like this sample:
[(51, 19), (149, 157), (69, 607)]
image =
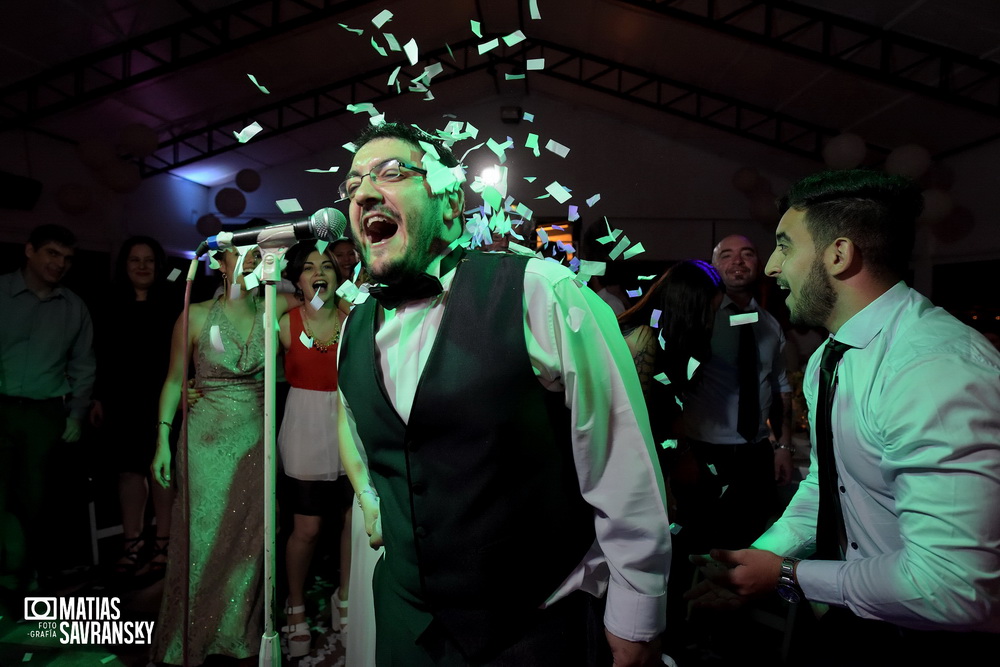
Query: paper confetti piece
[(411, 51), (476, 28), (530, 179), (654, 318), (378, 48), (530, 117), (259, 87), (347, 290), (364, 107), (498, 149), (634, 293), (573, 214), (693, 365), (108, 658), (27, 657), (649, 277), (382, 18), (663, 343), (305, 340), (317, 301), (174, 275), (724, 487), (674, 527), (532, 143), (356, 31), (524, 211), (534, 64), (619, 248), (215, 336), (543, 235), (513, 38), (247, 133), (711, 469), (742, 318), (593, 200), (375, 121), (513, 77), (350, 146), (533, 9), (323, 171), (392, 77), (251, 281), (593, 268), (575, 318), (558, 192), (391, 40), (557, 148), (633, 251), (289, 205), (662, 378), (489, 46), (432, 71)]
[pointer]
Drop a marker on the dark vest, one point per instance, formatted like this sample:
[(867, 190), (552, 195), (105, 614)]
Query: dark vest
[(481, 507)]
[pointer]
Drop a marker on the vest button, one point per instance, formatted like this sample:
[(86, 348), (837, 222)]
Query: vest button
[(420, 532)]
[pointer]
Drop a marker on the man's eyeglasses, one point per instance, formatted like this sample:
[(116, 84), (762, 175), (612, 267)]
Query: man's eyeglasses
[(390, 171)]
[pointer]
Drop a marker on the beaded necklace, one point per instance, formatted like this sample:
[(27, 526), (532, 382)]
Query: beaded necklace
[(322, 345)]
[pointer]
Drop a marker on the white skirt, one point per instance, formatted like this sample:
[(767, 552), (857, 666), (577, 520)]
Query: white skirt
[(308, 438)]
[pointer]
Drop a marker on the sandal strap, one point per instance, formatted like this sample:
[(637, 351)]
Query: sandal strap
[(296, 628), (297, 609)]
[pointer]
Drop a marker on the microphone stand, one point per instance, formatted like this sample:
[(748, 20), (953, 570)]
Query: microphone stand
[(270, 643)]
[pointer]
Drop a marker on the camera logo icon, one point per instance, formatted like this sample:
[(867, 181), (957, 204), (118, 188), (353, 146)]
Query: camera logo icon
[(40, 609)]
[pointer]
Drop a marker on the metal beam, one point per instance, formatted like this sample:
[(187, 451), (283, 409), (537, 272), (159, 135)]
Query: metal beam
[(891, 58), (168, 49), (692, 103)]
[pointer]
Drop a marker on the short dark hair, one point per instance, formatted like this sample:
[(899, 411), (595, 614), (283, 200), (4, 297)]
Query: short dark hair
[(120, 282), (296, 261), (410, 135), (51, 234), (684, 296), (876, 211)]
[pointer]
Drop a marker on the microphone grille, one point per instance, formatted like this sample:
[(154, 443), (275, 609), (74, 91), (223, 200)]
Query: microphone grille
[(328, 224)]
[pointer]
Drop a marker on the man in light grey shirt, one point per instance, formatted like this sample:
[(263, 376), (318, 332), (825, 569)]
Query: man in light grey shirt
[(46, 376)]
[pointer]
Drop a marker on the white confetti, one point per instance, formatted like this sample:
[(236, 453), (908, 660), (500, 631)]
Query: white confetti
[(215, 336), (382, 18), (593, 200), (513, 38), (489, 46), (259, 87), (174, 275), (693, 365), (412, 52), (289, 205), (557, 148), (248, 132), (393, 43), (533, 9), (305, 340), (317, 301), (534, 64), (742, 318), (323, 171), (558, 192)]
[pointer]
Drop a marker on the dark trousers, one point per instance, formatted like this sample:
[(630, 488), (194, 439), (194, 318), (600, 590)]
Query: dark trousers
[(841, 639), (30, 438), (569, 633)]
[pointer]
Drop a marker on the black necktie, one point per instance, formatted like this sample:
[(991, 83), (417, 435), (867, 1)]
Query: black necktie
[(830, 522), (748, 417), (420, 286)]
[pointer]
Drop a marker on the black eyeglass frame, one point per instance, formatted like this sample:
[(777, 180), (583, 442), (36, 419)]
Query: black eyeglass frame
[(345, 195)]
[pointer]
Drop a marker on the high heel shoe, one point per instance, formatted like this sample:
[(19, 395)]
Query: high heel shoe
[(297, 635), (339, 612), (128, 564)]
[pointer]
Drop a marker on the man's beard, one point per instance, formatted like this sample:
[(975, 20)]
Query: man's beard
[(816, 300), (421, 249)]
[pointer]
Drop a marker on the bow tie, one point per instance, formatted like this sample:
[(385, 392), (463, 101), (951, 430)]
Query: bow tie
[(422, 286)]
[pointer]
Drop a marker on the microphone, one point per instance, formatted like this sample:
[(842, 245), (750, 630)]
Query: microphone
[(325, 224)]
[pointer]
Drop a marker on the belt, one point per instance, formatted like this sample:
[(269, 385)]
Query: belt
[(23, 400)]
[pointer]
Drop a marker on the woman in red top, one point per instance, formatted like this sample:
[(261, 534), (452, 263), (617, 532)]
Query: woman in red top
[(308, 439)]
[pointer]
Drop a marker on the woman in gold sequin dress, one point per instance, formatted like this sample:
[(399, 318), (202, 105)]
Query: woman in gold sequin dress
[(213, 585)]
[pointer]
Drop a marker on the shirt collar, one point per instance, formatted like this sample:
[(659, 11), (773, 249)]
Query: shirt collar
[(727, 302), (862, 328), (18, 285)]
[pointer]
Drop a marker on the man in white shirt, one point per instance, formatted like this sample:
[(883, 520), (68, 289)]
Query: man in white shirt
[(915, 426), (505, 436)]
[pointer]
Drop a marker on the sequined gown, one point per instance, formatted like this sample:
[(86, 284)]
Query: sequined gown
[(222, 587)]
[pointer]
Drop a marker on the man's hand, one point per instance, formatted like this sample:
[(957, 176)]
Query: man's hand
[(373, 522), (626, 653), (73, 430), (782, 466), (732, 577)]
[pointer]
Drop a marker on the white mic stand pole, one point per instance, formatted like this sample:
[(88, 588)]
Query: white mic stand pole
[(270, 643)]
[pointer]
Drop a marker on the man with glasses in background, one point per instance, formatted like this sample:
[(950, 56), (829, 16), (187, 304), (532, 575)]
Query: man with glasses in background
[(508, 449)]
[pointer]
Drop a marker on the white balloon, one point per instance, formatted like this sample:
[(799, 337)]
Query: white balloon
[(911, 161)]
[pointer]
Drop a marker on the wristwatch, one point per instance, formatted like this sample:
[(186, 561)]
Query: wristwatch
[(787, 588)]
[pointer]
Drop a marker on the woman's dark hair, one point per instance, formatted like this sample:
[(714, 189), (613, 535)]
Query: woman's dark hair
[(296, 261), (120, 282), (684, 296)]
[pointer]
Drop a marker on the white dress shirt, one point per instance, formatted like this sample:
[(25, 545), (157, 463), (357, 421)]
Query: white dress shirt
[(916, 433), (574, 346)]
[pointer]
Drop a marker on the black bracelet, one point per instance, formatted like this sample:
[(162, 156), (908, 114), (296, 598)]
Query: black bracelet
[(169, 426)]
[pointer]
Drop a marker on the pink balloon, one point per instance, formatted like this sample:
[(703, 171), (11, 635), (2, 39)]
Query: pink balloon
[(208, 225), (247, 180), (230, 202)]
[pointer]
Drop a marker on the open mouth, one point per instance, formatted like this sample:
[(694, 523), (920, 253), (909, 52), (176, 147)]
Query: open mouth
[(378, 228), (320, 286)]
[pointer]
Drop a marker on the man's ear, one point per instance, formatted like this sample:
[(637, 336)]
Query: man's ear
[(454, 205), (842, 257)]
